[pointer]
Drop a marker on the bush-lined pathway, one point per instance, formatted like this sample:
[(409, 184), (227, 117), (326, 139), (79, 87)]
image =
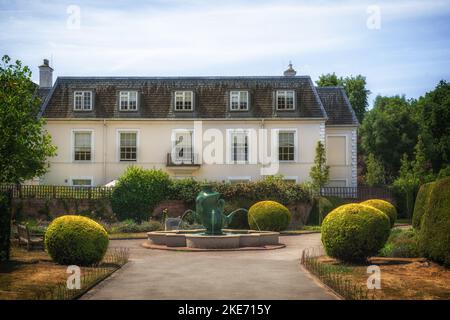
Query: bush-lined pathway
[(271, 274)]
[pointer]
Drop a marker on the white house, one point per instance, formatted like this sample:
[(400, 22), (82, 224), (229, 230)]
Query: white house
[(213, 128)]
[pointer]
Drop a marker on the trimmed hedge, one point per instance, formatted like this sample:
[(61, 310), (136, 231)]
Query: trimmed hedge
[(137, 193), (354, 232), (383, 206), (434, 234), (401, 244), (76, 240), (421, 202), (268, 216)]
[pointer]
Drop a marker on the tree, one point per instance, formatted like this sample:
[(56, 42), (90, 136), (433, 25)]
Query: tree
[(388, 131), (434, 114), (320, 172), (420, 166), (375, 172), (355, 88), (24, 145), (407, 185)]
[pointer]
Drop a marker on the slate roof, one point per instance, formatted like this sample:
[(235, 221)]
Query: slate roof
[(337, 106), (211, 97)]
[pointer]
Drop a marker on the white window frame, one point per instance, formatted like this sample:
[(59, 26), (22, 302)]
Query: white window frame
[(276, 143), (230, 133), (128, 94), (234, 178), (291, 178), (72, 145), (346, 149), (81, 178), (82, 92), (183, 92), (238, 94), (118, 132), (280, 92), (338, 179), (173, 139)]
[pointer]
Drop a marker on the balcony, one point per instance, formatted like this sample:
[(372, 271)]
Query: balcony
[(184, 164)]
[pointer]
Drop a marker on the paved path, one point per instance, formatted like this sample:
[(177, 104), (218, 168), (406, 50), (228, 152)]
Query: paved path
[(157, 274)]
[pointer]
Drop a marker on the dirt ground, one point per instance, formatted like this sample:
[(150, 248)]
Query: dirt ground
[(29, 273), (412, 279)]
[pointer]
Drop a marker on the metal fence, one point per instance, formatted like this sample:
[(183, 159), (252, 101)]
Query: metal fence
[(359, 193), (57, 192)]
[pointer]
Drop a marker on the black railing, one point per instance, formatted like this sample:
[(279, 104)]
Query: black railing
[(358, 193), (174, 160), (57, 192)]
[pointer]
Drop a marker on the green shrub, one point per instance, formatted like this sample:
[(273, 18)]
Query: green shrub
[(138, 191), (421, 202), (269, 216), (354, 232), (76, 240), (434, 234), (323, 206), (184, 189), (130, 226), (401, 244), (383, 206)]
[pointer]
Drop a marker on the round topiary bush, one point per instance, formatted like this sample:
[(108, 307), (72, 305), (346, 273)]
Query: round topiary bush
[(434, 233), (354, 232), (268, 216), (421, 203), (76, 240), (383, 206)]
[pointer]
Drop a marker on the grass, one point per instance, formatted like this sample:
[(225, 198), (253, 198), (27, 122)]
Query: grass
[(403, 221), (33, 275)]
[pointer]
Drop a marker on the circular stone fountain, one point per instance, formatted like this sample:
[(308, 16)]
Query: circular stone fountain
[(209, 211)]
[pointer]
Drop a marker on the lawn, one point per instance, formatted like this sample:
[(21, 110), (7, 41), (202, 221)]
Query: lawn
[(33, 275)]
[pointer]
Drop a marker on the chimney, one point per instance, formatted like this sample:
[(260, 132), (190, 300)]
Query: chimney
[(45, 75), (290, 72)]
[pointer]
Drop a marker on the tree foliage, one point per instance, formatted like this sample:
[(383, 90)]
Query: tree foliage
[(388, 131), (355, 88), (433, 111), (375, 175), (320, 172), (24, 145)]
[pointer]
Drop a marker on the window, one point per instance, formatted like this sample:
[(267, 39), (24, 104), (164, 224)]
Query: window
[(238, 100), (128, 146), (236, 180), (128, 100), (239, 146), (286, 145), (336, 150), (291, 179), (82, 100), (285, 100), (182, 148), (81, 182), (82, 144), (184, 100)]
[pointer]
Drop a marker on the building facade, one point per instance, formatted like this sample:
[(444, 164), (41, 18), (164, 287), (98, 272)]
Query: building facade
[(209, 128)]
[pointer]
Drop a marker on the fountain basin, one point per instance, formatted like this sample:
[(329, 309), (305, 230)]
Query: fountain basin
[(197, 239)]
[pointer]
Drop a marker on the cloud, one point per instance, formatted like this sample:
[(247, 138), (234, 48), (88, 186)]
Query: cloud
[(216, 37)]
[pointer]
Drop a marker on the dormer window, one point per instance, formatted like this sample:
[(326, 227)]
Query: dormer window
[(184, 100), (128, 100), (238, 100), (82, 101), (285, 100)]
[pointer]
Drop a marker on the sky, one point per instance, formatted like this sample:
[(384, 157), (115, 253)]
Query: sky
[(402, 47)]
